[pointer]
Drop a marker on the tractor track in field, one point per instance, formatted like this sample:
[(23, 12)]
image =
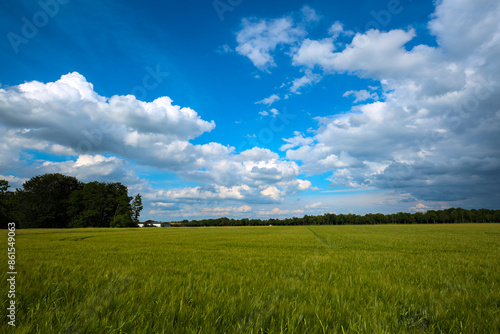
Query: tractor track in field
[(319, 238)]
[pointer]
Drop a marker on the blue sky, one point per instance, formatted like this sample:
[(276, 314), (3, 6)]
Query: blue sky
[(254, 109)]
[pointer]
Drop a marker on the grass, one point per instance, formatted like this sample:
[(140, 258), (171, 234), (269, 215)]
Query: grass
[(295, 279)]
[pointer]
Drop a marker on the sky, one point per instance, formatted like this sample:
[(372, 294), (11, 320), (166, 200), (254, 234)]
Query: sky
[(257, 109)]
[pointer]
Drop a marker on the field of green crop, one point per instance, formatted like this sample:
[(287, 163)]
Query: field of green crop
[(297, 279)]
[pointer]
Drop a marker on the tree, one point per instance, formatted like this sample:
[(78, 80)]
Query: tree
[(381, 218), (4, 185), (419, 217), (43, 202), (4, 204), (136, 208), (100, 204), (431, 217), (122, 220), (443, 216)]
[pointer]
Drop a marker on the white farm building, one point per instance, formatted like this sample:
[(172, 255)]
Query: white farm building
[(154, 224)]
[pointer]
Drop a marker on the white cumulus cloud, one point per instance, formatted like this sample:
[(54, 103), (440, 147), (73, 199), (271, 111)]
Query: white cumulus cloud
[(434, 134)]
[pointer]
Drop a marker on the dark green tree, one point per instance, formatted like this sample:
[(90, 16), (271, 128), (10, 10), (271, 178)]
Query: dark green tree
[(431, 217), (100, 204), (4, 185), (122, 220), (419, 218), (43, 202), (5, 204), (136, 208)]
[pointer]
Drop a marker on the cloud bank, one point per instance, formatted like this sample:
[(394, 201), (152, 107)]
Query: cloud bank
[(424, 129), (97, 138), (433, 131)]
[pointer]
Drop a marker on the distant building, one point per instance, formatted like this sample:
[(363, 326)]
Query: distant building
[(154, 224)]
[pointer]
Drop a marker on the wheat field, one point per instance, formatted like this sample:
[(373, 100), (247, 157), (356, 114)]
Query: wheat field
[(291, 279)]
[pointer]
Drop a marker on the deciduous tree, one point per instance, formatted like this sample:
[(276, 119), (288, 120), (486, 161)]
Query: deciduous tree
[(136, 208), (43, 202)]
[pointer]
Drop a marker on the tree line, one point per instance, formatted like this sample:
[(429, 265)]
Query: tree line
[(60, 201), (451, 215)]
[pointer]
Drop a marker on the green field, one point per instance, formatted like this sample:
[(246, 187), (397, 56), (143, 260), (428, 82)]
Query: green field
[(296, 279)]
